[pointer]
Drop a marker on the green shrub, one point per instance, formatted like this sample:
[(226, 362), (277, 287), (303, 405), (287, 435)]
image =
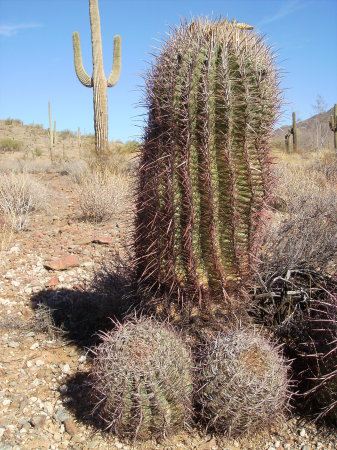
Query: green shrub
[(10, 121), (10, 145)]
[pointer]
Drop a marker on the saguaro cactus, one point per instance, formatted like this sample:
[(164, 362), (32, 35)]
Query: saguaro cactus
[(212, 100), (333, 126), (292, 131), (98, 81), (51, 138)]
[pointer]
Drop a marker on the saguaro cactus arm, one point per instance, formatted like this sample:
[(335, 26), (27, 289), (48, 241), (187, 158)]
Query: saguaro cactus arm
[(117, 62), (80, 71)]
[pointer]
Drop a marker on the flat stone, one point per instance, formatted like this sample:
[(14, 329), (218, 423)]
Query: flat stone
[(38, 421), (66, 369), (61, 415), (53, 281), (70, 426), (62, 263)]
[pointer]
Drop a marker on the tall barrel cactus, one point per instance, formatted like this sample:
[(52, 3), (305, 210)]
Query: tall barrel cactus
[(212, 98), (98, 81)]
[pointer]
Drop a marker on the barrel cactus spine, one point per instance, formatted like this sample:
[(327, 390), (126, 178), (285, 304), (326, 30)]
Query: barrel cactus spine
[(204, 177), (98, 81)]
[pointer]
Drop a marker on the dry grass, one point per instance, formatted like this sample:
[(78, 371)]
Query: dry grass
[(303, 230), (20, 196), (101, 193)]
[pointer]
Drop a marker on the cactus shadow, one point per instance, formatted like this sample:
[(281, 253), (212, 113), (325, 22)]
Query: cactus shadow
[(79, 401), (79, 314)]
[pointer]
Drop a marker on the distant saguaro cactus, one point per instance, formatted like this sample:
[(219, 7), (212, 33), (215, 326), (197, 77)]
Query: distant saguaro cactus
[(333, 126), (51, 138), (292, 131), (98, 81)]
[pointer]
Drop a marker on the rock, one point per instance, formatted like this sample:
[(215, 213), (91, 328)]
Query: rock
[(66, 369), (70, 426), (48, 408), (6, 402), (61, 415), (63, 389), (53, 281), (103, 240), (303, 433), (62, 263), (13, 344), (34, 346), (82, 359), (38, 421)]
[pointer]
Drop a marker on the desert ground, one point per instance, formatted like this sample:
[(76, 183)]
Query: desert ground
[(61, 254)]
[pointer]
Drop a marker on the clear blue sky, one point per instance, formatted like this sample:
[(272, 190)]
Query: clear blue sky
[(36, 54)]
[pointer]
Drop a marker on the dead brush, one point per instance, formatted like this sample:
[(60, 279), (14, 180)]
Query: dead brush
[(296, 294), (101, 194), (304, 232), (300, 308), (20, 196)]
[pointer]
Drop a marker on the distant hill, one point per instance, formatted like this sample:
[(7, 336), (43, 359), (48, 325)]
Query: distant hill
[(313, 133)]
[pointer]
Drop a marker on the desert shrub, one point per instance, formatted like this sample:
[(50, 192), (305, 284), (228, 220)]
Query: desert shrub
[(304, 232), (142, 380), (325, 165), (38, 152), (300, 309), (10, 145), (10, 121), (64, 134), (20, 195), (101, 193), (76, 169), (243, 383), (130, 147)]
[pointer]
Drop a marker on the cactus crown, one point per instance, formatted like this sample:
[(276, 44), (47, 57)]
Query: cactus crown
[(212, 98)]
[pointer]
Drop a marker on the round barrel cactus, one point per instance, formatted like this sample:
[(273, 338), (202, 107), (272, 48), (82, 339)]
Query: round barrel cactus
[(142, 380), (212, 98), (243, 383)]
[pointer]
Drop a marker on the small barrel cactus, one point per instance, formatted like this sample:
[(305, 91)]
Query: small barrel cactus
[(142, 379), (212, 98), (243, 383)]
